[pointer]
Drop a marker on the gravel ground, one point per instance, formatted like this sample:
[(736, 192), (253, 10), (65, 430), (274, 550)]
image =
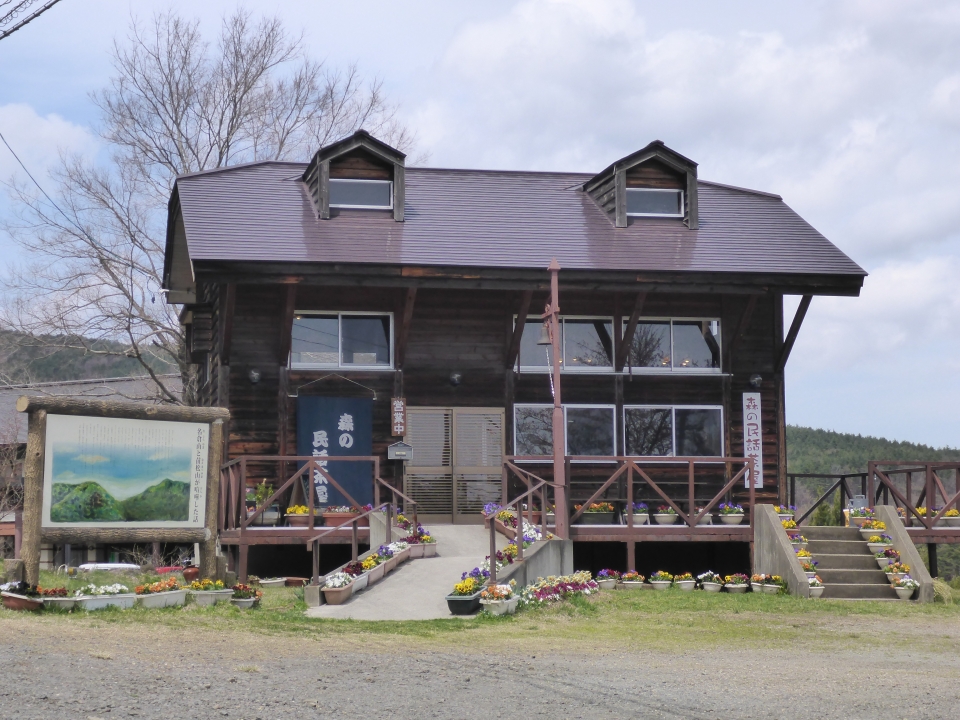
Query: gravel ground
[(127, 671)]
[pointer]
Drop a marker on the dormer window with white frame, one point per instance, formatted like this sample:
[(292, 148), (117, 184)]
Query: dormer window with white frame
[(361, 194), (654, 202)]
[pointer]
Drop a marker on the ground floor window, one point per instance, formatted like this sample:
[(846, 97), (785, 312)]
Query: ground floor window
[(662, 431), (590, 430)]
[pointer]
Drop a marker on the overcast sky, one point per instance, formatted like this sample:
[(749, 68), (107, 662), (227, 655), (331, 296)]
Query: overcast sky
[(850, 109)]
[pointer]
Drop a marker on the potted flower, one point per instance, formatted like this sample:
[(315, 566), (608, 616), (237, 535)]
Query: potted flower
[(245, 597), (665, 515), (20, 596), (887, 556), (858, 516), (465, 598), (809, 566), (429, 542), (334, 515), (774, 584), (271, 515), (684, 581), (896, 570), (641, 515), (661, 580), (360, 576), (387, 558), (878, 543), (165, 593), (707, 518), (736, 583), (816, 586), (869, 528), (797, 540), (785, 512), (57, 598), (905, 587), (607, 579), (731, 514), (600, 513), (298, 516), (499, 599), (338, 588), (207, 592), (952, 517), (756, 582), (710, 581), (803, 555), (631, 580), (373, 567), (789, 525), (97, 597), (401, 550)]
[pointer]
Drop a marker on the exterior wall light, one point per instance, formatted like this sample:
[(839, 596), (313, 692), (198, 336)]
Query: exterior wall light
[(254, 376), (755, 381)]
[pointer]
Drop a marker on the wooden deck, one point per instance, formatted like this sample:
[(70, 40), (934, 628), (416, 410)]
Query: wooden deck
[(661, 533), (292, 536)]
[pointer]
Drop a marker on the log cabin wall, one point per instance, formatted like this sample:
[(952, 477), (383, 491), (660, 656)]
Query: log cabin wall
[(468, 332)]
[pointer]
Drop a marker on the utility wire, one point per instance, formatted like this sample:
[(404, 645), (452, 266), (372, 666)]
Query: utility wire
[(17, 9)]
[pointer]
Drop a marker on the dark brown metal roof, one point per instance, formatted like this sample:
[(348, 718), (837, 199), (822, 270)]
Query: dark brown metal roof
[(471, 218)]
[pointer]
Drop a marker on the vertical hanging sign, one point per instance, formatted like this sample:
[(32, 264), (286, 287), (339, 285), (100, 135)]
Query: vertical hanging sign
[(328, 427), (398, 417), (753, 437)]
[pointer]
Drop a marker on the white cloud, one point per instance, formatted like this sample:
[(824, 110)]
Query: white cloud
[(38, 140)]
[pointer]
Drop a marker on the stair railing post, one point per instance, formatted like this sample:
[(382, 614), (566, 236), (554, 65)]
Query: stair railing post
[(353, 542), (519, 538), (315, 549), (493, 550)]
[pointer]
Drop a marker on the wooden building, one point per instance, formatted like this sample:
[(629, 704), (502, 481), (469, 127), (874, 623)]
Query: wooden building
[(354, 276)]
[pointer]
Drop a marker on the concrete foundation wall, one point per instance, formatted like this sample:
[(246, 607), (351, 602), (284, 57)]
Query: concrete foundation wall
[(552, 557), (908, 551), (772, 552)]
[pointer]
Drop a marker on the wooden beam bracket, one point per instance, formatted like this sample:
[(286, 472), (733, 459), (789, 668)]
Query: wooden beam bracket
[(794, 331), (514, 348), (627, 340)]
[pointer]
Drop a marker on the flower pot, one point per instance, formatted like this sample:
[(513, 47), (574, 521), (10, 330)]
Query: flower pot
[(858, 521), (665, 518), (737, 588), (685, 585), (464, 604), (99, 602), (298, 520), (706, 520), (785, 516), (607, 584), (13, 601), (732, 519), (273, 582), (952, 521), (904, 593), (337, 596), (335, 519), (390, 564), (295, 581), (403, 555), (877, 547), (867, 534), (209, 598), (756, 587), (500, 607), (429, 549), (360, 582), (810, 574), (630, 585), (171, 598), (416, 551), (505, 530), (551, 519), (191, 573), (882, 561), (268, 518), (661, 584), (895, 576), (712, 586), (375, 574), (771, 589), (596, 518), (59, 603), (244, 603), (816, 592), (638, 519)]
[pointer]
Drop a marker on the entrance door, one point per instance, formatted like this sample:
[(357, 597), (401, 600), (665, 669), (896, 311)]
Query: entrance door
[(457, 461)]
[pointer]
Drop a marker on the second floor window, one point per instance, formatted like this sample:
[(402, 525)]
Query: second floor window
[(342, 340), (586, 345), (675, 345), (361, 194)]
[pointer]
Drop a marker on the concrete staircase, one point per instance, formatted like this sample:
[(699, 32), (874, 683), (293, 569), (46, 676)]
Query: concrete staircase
[(846, 565)]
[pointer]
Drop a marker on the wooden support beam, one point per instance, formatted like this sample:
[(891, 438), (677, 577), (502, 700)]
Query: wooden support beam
[(522, 311), (741, 330), (286, 323), (59, 405), (403, 332), (794, 331), (627, 340), (228, 302)]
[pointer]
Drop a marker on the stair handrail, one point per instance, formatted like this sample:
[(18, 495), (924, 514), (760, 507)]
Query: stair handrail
[(491, 518), (314, 542)]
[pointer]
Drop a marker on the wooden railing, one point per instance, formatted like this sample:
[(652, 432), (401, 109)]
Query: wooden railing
[(879, 480), (841, 484), (536, 490)]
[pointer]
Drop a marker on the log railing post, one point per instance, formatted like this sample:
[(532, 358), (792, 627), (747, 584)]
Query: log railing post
[(353, 542), (310, 495), (493, 550), (691, 506)]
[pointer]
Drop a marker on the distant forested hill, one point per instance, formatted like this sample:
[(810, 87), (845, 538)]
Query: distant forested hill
[(823, 451)]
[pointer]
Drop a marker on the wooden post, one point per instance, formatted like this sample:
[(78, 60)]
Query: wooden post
[(932, 558), (33, 494), (208, 548), (353, 542), (493, 551), (315, 580), (562, 513), (17, 533), (242, 570)]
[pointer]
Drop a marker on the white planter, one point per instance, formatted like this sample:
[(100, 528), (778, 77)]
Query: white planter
[(661, 584), (895, 576), (712, 587), (706, 520), (171, 598), (952, 521), (737, 588), (877, 547), (59, 603), (904, 593), (665, 518), (501, 607), (685, 585), (867, 534), (429, 549), (273, 582), (639, 519), (360, 582), (816, 592), (731, 519), (416, 551), (810, 574), (99, 602), (630, 585), (244, 603), (882, 561), (785, 516), (608, 584), (208, 598), (756, 587), (771, 589)]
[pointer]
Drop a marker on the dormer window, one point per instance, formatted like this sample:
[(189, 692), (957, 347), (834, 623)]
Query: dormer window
[(361, 194), (653, 202)]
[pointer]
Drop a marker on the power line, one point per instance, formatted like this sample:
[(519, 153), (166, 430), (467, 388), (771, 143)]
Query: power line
[(15, 11)]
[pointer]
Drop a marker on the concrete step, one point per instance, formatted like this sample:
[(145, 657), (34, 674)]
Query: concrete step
[(821, 532), (856, 577), (829, 561), (838, 547), (854, 591)]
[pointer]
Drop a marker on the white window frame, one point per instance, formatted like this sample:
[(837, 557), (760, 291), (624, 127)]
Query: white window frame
[(566, 435), (657, 190), (637, 370), (564, 368), (340, 364), (365, 207), (673, 427)]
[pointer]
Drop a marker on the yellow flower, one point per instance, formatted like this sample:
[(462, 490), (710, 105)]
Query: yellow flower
[(298, 510)]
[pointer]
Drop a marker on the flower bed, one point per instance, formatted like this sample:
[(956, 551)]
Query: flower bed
[(97, 597), (710, 581), (21, 596), (165, 593), (554, 589)]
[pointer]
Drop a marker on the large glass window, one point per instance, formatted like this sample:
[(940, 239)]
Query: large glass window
[(589, 430), (533, 430), (653, 202), (322, 340), (673, 431), (367, 194), (586, 345), (675, 345)]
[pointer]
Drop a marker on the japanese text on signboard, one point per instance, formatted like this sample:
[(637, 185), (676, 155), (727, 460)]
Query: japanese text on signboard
[(753, 437)]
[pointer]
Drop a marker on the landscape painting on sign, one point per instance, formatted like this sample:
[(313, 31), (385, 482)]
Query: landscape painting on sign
[(110, 472)]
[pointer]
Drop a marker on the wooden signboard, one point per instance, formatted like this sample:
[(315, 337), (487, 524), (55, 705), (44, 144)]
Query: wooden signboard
[(398, 417), (100, 471)]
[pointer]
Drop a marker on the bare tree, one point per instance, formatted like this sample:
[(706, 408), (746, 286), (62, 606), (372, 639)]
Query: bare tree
[(176, 104)]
